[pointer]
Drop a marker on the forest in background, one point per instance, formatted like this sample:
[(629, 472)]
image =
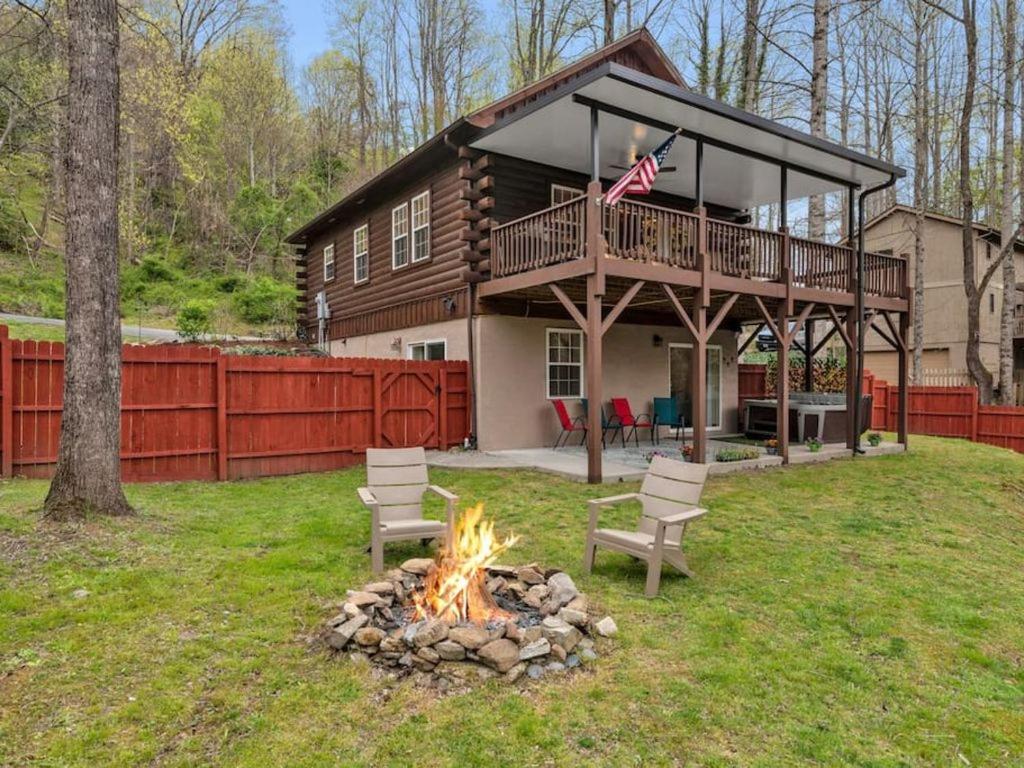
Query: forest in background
[(226, 146)]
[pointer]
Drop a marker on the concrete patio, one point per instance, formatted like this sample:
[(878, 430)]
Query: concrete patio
[(630, 463)]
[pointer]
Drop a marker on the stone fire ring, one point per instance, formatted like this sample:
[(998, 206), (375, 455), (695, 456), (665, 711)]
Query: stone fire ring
[(552, 630)]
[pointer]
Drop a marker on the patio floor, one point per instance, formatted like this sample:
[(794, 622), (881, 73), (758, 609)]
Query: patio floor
[(630, 463)]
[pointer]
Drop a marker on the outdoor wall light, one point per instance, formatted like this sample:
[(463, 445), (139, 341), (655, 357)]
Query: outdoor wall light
[(657, 340)]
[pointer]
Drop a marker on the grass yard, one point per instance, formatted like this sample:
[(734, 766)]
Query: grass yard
[(861, 613)]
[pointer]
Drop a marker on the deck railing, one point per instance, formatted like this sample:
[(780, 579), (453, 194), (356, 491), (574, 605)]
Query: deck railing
[(654, 234), (642, 232), (551, 236), (820, 265)]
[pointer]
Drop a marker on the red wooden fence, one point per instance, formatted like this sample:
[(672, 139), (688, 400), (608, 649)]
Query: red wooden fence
[(190, 413), (940, 411)]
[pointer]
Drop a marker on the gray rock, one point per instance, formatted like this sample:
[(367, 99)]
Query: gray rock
[(588, 654), (512, 631), (341, 618), (380, 588), (530, 634), (574, 617), (536, 595), (532, 650), (418, 565), (497, 584), (350, 609), (572, 660), (449, 650), (529, 575), (423, 664), (363, 599), (369, 636), (341, 634), (535, 671), (563, 590), (555, 666), (559, 631), (516, 672), (501, 655), (559, 653), (469, 636), (406, 660), (410, 631), (429, 654), (606, 627), (431, 632), (578, 603)]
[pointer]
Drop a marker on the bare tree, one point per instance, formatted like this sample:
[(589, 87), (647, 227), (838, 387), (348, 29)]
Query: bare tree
[(1007, 226), (88, 475), (542, 30), (819, 96), (918, 11)]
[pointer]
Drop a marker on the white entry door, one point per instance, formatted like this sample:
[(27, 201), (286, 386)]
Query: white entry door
[(680, 361)]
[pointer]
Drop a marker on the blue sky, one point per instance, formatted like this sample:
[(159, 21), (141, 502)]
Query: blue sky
[(310, 30)]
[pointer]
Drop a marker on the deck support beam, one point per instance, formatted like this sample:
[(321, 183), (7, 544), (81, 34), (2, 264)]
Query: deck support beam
[(809, 356), (782, 386), (903, 412), (593, 380)]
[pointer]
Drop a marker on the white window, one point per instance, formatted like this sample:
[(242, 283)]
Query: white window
[(361, 254), (565, 363), (328, 262), (400, 236), (428, 350), (562, 194), (421, 227)]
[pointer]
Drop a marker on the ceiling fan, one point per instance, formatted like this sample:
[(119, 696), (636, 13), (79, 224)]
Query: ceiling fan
[(633, 156)]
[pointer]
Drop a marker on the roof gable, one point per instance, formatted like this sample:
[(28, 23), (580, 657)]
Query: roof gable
[(638, 50)]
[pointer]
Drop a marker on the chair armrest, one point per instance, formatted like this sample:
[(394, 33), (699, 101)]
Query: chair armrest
[(367, 497), (580, 420), (642, 416), (595, 505), (446, 495), (679, 517)]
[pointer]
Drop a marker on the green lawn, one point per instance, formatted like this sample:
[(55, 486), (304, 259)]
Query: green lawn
[(19, 330), (864, 613)]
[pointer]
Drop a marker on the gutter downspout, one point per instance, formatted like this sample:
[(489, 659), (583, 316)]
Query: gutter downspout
[(860, 307)]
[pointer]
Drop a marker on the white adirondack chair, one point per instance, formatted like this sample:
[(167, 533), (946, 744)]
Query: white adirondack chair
[(396, 480), (669, 496)]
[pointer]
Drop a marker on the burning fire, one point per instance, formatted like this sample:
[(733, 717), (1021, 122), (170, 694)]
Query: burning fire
[(456, 588)]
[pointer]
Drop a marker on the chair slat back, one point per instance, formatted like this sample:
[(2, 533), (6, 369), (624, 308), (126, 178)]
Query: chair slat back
[(621, 407), (563, 414), (397, 477), (668, 488), (666, 410)]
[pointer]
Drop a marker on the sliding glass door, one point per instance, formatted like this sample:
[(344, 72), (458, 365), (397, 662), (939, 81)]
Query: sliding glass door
[(680, 364)]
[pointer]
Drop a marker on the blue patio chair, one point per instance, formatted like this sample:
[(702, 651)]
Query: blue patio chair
[(666, 414), (607, 424)]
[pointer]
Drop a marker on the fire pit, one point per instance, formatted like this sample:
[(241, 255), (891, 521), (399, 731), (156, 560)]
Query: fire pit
[(462, 613)]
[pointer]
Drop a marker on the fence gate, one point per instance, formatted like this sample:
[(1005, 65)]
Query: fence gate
[(409, 409)]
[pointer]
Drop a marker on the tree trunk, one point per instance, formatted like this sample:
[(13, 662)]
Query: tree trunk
[(88, 475), (748, 53), (1007, 223), (819, 95), (920, 180)]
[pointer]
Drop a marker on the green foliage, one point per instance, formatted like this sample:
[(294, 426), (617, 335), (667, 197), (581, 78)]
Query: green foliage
[(265, 300), (194, 319), (829, 373), (13, 228), (737, 454)]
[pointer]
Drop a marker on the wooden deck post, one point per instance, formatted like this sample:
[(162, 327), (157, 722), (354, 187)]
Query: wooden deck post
[(593, 383), (593, 221), (904, 379), (699, 384), (853, 386), (782, 384), (809, 356)]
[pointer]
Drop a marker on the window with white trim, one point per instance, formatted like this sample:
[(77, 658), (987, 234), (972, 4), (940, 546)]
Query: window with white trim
[(400, 236), (421, 227), (428, 350), (361, 254), (564, 363), (563, 194), (328, 262)]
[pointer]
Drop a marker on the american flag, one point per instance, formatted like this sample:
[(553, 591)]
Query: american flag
[(639, 179)]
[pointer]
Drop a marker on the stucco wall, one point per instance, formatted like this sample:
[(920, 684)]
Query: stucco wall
[(514, 411)]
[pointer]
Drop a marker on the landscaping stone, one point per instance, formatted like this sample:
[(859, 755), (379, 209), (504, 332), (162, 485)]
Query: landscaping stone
[(362, 599), (341, 634), (380, 588), (557, 630), (574, 617), (535, 671), (555, 666), (559, 652), (431, 632), (350, 609), (501, 655), (418, 566), (537, 648), (449, 650), (530, 634), (497, 584), (469, 636), (572, 660), (536, 595), (516, 672), (606, 627), (587, 654), (512, 631), (562, 588), (369, 636), (529, 575), (578, 603)]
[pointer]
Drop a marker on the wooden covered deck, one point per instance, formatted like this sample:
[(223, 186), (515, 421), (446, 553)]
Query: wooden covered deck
[(605, 263)]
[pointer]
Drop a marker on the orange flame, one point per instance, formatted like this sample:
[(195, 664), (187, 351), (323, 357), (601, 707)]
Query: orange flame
[(455, 590)]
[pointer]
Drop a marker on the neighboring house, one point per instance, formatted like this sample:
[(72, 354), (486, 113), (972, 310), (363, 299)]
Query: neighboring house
[(491, 242), (945, 303)]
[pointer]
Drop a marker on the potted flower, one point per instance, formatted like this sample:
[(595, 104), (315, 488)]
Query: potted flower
[(813, 444), (771, 446), (649, 455), (874, 439), (687, 452)]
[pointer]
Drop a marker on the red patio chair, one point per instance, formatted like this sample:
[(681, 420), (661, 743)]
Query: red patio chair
[(568, 424), (628, 421)]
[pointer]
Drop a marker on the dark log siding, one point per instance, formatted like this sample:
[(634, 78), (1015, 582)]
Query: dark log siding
[(387, 287)]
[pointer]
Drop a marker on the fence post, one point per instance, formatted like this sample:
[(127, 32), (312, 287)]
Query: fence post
[(222, 417), (377, 439), (6, 404), (974, 417), (442, 407)]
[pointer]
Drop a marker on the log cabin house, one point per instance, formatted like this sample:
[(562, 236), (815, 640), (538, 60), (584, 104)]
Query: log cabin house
[(491, 242)]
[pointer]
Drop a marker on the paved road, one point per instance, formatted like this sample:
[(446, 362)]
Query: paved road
[(129, 333)]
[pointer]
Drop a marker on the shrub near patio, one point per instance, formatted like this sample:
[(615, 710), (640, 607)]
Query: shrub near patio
[(863, 612)]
